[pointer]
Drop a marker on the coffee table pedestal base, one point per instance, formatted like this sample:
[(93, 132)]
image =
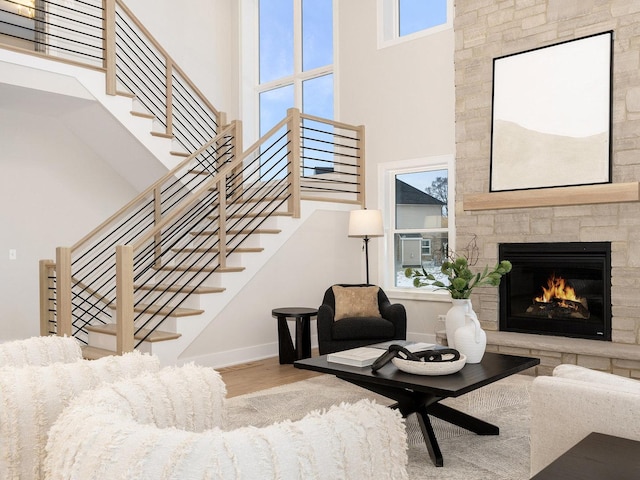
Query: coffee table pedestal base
[(423, 405)]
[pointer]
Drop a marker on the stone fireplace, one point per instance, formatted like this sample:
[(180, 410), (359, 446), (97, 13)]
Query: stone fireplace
[(581, 214), (557, 288)]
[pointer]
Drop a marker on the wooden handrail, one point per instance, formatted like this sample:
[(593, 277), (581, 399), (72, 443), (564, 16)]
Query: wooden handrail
[(194, 197), (149, 190), (166, 55), (46, 268)]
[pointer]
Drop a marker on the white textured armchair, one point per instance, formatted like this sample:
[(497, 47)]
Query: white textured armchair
[(576, 401), (39, 351), (166, 426), (32, 397)]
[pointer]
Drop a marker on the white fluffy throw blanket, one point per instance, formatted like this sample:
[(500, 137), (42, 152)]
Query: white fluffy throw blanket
[(32, 397), (39, 351), (163, 427)]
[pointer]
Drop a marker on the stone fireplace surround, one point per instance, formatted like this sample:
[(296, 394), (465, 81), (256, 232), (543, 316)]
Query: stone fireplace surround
[(486, 29)]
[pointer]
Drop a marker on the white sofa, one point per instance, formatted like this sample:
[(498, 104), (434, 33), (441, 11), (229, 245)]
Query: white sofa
[(39, 351), (32, 397), (166, 426), (576, 401)]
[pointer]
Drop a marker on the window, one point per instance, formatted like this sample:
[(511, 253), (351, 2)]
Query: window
[(418, 216), (296, 59), (401, 20)]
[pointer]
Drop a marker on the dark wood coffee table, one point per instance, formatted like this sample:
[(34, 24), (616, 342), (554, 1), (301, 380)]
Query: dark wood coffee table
[(421, 394), (596, 457)]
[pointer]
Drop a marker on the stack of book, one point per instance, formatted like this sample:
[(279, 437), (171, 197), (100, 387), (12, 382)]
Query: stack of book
[(365, 356)]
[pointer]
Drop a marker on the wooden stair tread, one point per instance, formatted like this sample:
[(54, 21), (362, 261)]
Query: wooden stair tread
[(167, 310), (124, 93), (155, 336), (161, 134), (205, 269), (216, 250), (257, 230), (268, 231), (258, 215), (164, 310), (255, 200), (181, 288), (179, 154), (195, 171), (142, 114), (94, 353)]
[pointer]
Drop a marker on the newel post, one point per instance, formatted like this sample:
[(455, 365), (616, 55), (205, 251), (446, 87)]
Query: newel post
[(294, 127), (157, 218), (109, 42), (361, 195), (222, 222), (63, 283), (124, 299), (47, 304)]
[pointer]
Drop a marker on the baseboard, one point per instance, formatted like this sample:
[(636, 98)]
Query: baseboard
[(238, 356), (422, 337)]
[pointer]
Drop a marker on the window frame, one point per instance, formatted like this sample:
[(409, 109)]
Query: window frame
[(388, 16), (387, 173), (249, 15)]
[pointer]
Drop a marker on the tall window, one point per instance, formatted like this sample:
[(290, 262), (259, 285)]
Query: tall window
[(419, 220), (401, 20), (296, 59)]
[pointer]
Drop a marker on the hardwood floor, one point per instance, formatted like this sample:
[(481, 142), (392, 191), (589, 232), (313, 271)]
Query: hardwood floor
[(260, 375)]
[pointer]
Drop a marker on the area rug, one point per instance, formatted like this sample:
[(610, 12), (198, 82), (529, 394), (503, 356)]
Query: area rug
[(467, 456)]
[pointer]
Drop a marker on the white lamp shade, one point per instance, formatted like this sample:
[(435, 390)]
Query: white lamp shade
[(365, 223)]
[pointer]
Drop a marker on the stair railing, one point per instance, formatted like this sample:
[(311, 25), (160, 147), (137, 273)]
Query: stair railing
[(214, 193), (106, 36), (184, 227), (85, 283), (136, 62)]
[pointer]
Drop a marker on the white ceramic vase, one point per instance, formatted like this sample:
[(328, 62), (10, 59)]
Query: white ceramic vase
[(470, 339), (455, 318)]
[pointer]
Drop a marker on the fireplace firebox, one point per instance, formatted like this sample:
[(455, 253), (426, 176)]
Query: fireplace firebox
[(561, 289)]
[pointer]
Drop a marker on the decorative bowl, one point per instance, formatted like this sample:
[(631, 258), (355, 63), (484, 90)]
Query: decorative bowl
[(429, 368)]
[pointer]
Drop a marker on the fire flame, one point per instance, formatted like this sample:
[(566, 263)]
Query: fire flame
[(558, 289)]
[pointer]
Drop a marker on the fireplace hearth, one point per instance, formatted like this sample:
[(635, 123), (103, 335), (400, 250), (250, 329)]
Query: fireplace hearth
[(561, 289)]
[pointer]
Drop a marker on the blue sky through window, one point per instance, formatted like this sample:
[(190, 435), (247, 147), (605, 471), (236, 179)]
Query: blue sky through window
[(276, 39), (277, 49), (416, 15), (317, 34)]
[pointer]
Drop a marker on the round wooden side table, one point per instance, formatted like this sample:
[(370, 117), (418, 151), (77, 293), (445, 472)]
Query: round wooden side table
[(286, 349)]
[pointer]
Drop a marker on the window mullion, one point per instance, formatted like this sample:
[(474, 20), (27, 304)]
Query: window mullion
[(297, 52)]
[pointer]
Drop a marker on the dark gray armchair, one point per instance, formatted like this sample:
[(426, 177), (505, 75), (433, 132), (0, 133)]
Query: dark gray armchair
[(336, 335)]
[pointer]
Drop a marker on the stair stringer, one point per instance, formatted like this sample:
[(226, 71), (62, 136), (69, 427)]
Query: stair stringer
[(104, 122), (170, 352)]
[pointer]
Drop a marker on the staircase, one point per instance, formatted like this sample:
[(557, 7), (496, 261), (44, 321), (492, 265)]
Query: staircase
[(158, 271)]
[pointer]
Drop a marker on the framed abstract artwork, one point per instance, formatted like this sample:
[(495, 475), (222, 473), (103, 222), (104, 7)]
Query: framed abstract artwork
[(551, 117)]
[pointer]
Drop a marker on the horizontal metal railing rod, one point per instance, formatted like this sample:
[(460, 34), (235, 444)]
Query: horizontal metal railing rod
[(166, 55)]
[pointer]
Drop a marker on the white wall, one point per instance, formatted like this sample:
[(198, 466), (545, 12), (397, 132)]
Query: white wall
[(404, 95), (53, 190)]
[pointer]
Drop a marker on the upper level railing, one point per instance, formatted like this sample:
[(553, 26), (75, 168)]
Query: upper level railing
[(106, 35)]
